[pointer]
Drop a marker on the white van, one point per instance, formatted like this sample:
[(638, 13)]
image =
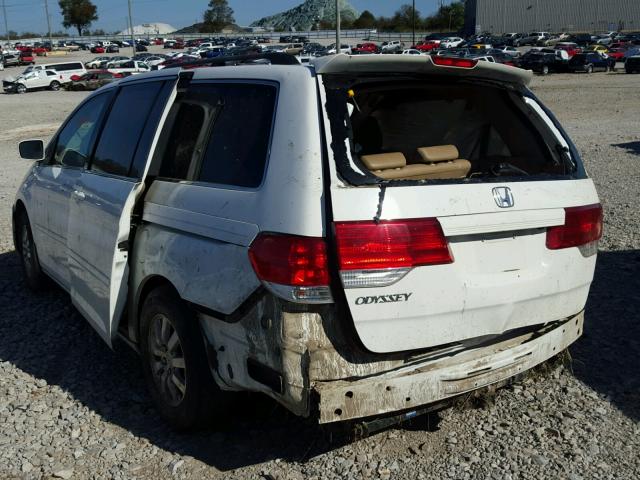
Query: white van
[(362, 236), (65, 70)]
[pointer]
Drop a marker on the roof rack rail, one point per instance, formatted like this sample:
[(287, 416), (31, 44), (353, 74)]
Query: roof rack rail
[(274, 58)]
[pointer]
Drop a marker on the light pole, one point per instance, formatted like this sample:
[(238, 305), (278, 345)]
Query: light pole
[(413, 23), (46, 11), (338, 41), (6, 22), (133, 42)]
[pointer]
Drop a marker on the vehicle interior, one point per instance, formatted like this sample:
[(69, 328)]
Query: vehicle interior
[(417, 131)]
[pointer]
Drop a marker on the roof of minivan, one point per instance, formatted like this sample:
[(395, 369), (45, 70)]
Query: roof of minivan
[(337, 64)]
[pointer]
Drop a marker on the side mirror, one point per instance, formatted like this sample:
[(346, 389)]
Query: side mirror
[(32, 149)]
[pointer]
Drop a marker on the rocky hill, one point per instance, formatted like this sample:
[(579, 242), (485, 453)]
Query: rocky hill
[(304, 16)]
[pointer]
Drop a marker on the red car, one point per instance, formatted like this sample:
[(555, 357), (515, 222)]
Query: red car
[(27, 58), (427, 46), (571, 48), (97, 49), (617, 53), (40, 51), (367, 48), (90, 73)]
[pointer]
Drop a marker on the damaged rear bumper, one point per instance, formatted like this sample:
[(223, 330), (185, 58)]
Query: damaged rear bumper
[(305, 361), (437, 380)]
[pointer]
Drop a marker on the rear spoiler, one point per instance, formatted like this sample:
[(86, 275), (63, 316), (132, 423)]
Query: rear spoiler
[(346, 64)]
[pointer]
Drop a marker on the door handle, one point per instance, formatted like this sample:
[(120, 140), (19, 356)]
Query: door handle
[(79, 194)]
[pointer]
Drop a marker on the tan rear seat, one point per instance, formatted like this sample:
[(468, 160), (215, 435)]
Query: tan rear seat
[(443, 162), (393, 166), (440, 163)]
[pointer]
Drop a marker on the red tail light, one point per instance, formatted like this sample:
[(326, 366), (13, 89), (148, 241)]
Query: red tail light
[(454, 62), (582, 225), (290, 260), (391, 244), (117, 75)]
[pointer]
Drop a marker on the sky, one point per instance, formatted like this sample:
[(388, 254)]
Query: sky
[(29, 15)]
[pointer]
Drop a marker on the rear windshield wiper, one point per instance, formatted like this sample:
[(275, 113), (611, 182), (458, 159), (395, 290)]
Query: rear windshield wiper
[(566, 156)]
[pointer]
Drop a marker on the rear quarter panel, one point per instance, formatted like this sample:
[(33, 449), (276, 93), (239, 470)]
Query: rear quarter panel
[(197, 235)]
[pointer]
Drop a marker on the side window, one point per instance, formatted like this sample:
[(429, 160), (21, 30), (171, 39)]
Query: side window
[(181, 146), (239, 142), (75, 141), (220, 134), (119, 140)]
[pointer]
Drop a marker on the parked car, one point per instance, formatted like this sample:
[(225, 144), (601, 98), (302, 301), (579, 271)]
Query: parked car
[(596, 48), (294, 48), (353, 304), (92, 80), (128, 66), (10, 60), (65, 70), (617, 54), (534, 38), (98, 49), (32, 80), (412, 51), (155, 60), (26, 57), (511, 51), (583, 39), (97, 61), (368, 47), (513, 39), (544, 62), (174, 44), (569, 47), (313, 48), (590, 62), (344, 48), (451, 42), (113, 48), (395, 46), (427, 45), (632, 65)]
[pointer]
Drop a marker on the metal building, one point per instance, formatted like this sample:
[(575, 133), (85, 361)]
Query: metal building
[(502, 16)]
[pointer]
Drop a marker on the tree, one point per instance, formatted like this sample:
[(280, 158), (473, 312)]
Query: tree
[(78, 14), (403, 18), (366, 21), (218, 15), (448, 17)]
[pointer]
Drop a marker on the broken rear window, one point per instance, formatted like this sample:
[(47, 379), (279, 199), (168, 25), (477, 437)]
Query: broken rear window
[(414, 130)]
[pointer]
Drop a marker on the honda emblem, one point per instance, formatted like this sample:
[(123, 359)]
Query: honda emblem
[(503, 197)]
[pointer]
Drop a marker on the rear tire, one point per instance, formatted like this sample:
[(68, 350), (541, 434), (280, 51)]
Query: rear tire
[(545, 70), (33, 275), (175, 363), (590, 69)]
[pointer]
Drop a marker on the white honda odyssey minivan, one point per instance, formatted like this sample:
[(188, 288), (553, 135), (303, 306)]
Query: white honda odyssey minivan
[(358, 237)]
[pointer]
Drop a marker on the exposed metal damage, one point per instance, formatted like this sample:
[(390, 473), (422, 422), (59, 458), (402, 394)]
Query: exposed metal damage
[(319, 373)]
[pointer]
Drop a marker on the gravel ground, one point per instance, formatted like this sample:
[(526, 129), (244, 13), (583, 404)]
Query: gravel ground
[(71, 408)]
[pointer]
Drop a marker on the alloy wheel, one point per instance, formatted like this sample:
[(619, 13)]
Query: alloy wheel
[(26, 249), (166, 359)]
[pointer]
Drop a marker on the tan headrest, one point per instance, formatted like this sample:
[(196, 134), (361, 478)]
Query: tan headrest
[(383, 161), (441, 153)]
